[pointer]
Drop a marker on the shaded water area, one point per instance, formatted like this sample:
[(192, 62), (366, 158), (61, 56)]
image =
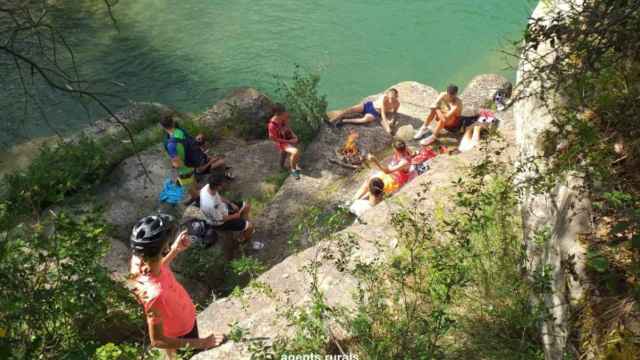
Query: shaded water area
[(189, 53)]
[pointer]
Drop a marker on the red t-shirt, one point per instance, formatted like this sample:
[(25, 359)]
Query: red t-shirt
[(165, 295), (276, 133)]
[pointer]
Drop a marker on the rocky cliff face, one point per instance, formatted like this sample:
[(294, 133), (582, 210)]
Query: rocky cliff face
[(324, 184), (562, 214)]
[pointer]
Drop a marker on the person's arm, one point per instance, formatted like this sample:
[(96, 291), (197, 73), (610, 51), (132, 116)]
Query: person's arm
[(159, 340), (294, 138), (181, 244), (388, 169), (233, 216), (436, 104), (383, 110), (454, 110), (172, 149)]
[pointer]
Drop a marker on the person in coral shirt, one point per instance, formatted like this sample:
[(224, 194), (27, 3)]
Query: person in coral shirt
[(170, 312)]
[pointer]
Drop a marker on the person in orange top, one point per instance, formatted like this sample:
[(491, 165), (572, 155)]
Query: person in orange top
[(280, 132), (445, 111), (170, 313)]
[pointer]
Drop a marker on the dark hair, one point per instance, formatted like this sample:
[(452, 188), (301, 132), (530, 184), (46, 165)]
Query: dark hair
[(278, 109), (166, 121), (452, 89), (393, 90), (376, 186), (400, 145), (216, 179)]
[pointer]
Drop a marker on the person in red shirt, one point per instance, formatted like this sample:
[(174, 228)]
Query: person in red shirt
[(170, 313), (394, 175), (280, 132)]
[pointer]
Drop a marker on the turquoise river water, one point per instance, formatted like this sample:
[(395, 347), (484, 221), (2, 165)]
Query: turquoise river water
[(189, 53)]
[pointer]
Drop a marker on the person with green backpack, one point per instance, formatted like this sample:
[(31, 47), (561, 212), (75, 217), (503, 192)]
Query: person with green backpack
[(187, 156)]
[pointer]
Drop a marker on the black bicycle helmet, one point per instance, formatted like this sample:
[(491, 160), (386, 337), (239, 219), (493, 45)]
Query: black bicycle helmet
[(149, 234)]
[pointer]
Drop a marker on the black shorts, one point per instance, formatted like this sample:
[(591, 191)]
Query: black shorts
[(235, 224), (193, 334)]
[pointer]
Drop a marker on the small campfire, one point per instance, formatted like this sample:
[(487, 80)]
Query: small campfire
[(349, 155)]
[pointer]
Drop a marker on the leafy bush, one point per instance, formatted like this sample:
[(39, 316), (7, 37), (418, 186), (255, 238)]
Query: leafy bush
[(588, 79), (306, 107), (458, 277), (56, 172), (57, 301)]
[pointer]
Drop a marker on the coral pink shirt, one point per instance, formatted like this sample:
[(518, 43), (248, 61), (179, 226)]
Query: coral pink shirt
[(167, 297)]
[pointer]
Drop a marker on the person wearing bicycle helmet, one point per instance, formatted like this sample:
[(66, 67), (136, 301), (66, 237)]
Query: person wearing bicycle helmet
[(170, 313)]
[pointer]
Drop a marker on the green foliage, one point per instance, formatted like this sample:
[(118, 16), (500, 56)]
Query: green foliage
[(57, 301), (454, 288), (306, 107), (247, 266), (204, 265), (55, 173), (593, 71), (318, 223)]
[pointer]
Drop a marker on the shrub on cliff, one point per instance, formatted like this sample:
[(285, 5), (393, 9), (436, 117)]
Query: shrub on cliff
[(54, 173), (306, 106), (56, 300), (593, 65)]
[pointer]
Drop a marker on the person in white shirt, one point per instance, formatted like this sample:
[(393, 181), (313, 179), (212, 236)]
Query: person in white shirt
[(223, 214)]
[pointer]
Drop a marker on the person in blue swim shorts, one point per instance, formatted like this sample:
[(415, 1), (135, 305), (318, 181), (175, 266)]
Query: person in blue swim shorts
[(384, 109)]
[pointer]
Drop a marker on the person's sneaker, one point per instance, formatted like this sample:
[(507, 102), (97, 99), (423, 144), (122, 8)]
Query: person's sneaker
[(296, 174), (421, 132), (257, 245)]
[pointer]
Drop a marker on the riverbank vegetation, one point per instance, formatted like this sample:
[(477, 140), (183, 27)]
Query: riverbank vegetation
[(57, 300), (589, 81), (454, 288)]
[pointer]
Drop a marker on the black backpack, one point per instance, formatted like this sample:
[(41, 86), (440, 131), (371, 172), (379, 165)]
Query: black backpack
[(200, 232), (194, 156)]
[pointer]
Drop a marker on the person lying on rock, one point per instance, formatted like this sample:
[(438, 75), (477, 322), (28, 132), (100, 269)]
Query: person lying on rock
[(445, 111), (384, 109), (279, 132), (169, 310), (186, 155), (393, 175), (371, 198), (223, 214)]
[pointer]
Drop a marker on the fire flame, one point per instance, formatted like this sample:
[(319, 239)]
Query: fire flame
[(350, 147)]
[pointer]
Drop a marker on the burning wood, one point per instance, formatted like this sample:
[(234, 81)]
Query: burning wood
[(350, 147), (349, 154)]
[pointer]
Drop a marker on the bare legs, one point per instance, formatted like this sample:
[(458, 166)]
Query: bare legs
[(354, 109), (294, 157), (365, 119), (441, 122), (248, 232)]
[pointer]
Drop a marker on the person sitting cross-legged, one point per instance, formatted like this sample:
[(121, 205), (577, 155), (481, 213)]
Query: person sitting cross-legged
[(384, 109), (223, 214), (445, 112), (280, 132)]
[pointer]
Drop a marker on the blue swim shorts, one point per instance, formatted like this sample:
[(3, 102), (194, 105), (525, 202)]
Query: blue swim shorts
[(370, 109)]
